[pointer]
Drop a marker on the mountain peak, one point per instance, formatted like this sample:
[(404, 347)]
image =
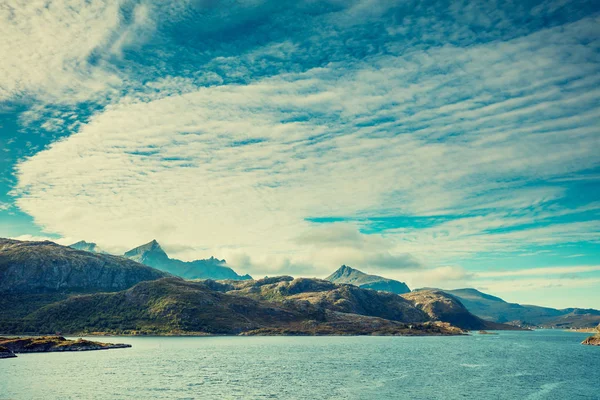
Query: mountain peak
[(348, 275), (151, 247), (345, 271), (86, 246)]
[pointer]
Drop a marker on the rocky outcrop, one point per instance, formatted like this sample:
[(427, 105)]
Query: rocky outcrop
[(45, 344), (37, 267), (592, 340), (6, 353), (153, 255), (352, 276), (441, 306)]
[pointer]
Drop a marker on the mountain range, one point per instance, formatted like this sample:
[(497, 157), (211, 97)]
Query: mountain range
[(152, 255), (352, 276), (45, 287), (485, 306), (49, 288), (493, 308)]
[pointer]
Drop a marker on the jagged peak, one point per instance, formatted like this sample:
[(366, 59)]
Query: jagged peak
[(152, 246), (345, 270)]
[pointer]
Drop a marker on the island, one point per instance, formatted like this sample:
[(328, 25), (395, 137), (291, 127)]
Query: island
[(43, 344)]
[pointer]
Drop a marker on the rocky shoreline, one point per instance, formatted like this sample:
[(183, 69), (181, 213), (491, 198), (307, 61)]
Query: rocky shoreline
[(6, 353), (592, 340), (44, 344)]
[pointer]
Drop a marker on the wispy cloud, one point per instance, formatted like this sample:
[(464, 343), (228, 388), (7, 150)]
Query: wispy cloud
[(229, 140)]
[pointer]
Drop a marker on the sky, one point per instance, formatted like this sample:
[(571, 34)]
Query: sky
[(442, 143)]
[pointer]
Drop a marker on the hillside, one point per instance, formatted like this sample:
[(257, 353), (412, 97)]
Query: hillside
[(35, 274), (153, 255), (444, 307), (340, 298), (352, 276), (175, 306), (352, 299), (42, 267)]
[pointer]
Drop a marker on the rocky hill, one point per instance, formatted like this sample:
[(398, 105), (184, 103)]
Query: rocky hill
[(334, 297), (41, 267), (153, 255), (352, 276), (444, 307), (175, 306)]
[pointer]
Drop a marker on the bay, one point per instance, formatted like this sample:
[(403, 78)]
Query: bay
[(544, 364)]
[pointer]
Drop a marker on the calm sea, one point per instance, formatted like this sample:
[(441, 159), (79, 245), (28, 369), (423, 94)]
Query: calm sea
[(511, 365)]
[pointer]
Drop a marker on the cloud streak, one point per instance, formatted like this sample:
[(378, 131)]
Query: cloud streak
[(234, 141)]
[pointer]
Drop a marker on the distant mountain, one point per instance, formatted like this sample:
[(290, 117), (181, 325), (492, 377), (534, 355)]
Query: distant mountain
[(495, 309), (35, 267), (86, 246), (153, 255), (352, 276)]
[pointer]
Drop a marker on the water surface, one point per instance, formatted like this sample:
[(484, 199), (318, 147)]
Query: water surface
[(511, 365)]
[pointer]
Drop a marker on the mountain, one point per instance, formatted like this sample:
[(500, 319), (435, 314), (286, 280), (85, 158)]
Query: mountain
[(176, 306), (35, 274), (38, 267), (495, 309), (86, 246), (444, 307), (335, 297), (153, 255), (345, 298), (352, 276)]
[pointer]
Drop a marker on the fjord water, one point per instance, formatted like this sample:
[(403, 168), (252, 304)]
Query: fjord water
[(545, 364)]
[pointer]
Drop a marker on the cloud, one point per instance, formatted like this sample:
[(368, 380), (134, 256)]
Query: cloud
[(229, 128), (240, 167), (46, 49), (547, 271), (33, 238)]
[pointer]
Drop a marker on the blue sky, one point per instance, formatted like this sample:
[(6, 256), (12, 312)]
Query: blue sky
[(449, 144)]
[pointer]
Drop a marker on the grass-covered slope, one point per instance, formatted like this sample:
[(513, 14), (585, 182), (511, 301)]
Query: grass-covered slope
[(175, 306)]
